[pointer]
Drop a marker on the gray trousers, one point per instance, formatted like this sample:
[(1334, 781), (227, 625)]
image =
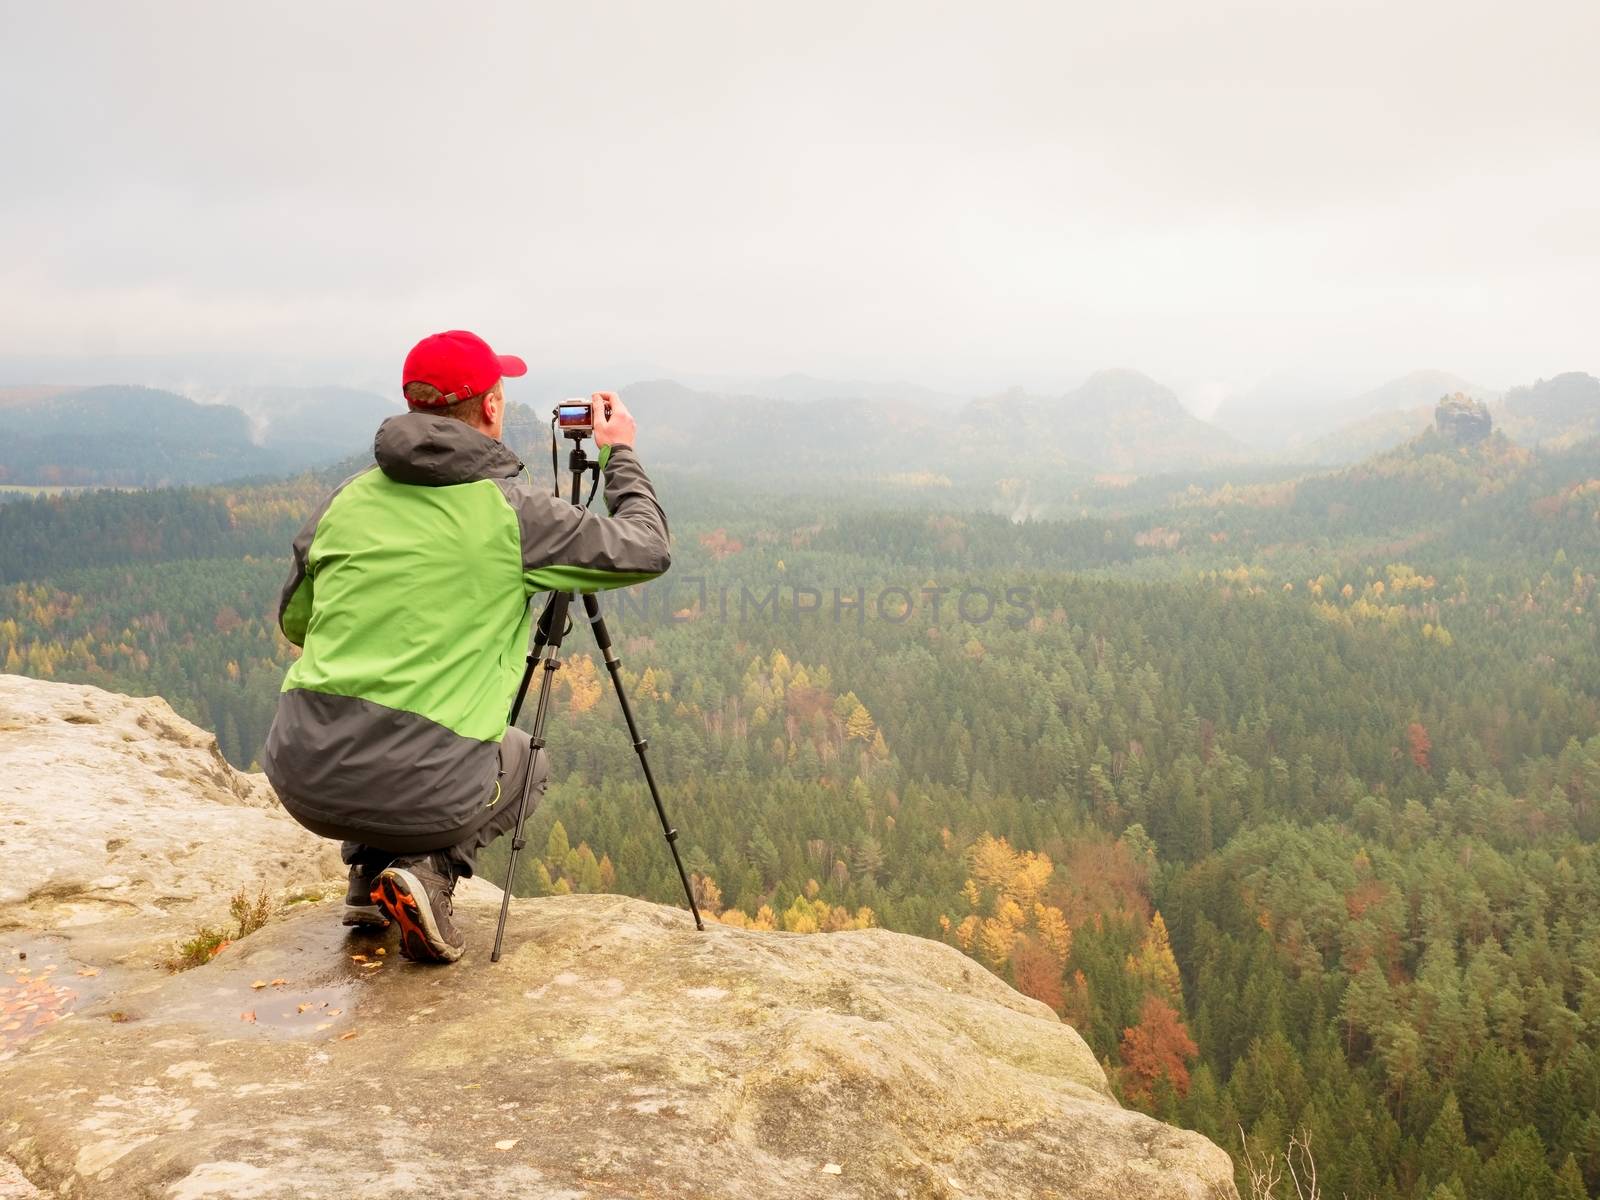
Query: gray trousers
[(516, 764)]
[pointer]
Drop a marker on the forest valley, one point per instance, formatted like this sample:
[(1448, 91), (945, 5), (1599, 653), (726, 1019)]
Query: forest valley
[(1285, 793)]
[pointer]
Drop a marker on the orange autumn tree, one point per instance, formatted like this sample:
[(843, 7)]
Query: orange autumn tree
[(1419, 744), (1008, 922), (1036, 972), (1157, 1048)]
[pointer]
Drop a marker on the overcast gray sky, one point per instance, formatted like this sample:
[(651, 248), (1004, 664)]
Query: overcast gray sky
[(964, 195)]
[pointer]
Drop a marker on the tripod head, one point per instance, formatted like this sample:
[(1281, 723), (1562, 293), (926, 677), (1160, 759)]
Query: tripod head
[(578, 461), (580, 465)]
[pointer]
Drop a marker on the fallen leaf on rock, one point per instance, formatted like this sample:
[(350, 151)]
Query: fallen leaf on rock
[(370, 966), (345, 1037), (381, 950), (506, 1143), (248, 1016), (832, 1169), (324, 1025), (89, 972), (300, 1008), (334, 1012), (259, 984), (279, 982), (358, 958)]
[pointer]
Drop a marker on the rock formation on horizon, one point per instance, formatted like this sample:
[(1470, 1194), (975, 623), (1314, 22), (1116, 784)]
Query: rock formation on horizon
[(1463, 420), (614, 1051)]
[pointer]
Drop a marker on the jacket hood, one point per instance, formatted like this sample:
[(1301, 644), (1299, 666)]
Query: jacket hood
[(436, 451)]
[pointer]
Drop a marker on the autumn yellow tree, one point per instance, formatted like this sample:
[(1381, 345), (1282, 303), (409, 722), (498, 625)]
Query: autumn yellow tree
[(859, 726), (582, 683), (1154, 964), (1007, 913)]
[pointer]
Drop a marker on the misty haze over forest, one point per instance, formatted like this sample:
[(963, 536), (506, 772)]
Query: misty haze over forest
[(1261, 207), (1134, 489)]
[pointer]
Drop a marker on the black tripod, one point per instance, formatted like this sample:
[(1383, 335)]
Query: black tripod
[(552, 627)]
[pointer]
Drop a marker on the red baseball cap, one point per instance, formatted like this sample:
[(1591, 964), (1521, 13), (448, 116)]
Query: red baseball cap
[(460, 364)]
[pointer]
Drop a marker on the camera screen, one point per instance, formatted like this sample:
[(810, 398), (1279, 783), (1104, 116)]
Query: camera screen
[(570, 415)]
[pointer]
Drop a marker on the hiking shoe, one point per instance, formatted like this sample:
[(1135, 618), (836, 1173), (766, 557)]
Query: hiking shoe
[(416, 895), (359, 909)]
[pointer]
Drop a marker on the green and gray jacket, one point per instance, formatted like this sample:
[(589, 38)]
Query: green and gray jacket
[(409, 594)]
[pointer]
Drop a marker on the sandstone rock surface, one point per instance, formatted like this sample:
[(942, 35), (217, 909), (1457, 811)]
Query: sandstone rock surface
[(613, 1052), (122, 827)]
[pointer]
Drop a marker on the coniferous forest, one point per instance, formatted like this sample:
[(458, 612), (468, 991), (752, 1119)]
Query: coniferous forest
[(1283, 790)]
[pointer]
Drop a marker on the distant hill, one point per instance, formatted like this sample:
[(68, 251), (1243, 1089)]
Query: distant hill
[(1409, 392), (1555, 413), (1268, 415), (762, 437), (18, 396), (311, 424), (125, 436), (1367, 436), (1304, 425), (1117, 420), (128, 437), (1558, 412), (1424, 481)]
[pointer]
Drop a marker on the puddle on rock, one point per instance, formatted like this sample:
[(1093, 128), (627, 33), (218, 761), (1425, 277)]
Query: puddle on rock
[(246, 999), (40, 984), (276, 1008), (295, 1011)]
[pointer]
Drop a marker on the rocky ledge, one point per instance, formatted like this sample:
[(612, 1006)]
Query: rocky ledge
[(613, 1052)]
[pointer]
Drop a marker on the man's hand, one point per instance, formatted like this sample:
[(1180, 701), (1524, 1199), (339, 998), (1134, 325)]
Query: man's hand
[(613, 423)]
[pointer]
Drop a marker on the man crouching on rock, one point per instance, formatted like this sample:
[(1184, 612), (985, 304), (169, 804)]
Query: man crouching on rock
[(409, 594)]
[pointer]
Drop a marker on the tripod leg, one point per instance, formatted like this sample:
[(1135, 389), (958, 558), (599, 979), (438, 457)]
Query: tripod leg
[(602, 637), (556, 615), (541, 636)]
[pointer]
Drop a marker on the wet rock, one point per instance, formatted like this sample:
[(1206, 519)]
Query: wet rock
[(613, 1052)]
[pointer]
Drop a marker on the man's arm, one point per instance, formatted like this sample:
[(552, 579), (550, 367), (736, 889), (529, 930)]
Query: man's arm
[(294, 602), (567, 548)]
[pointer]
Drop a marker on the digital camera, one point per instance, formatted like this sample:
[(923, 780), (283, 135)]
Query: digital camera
[(576, 417)]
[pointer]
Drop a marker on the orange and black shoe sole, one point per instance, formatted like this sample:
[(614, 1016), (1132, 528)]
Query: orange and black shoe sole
[(405, 902)]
